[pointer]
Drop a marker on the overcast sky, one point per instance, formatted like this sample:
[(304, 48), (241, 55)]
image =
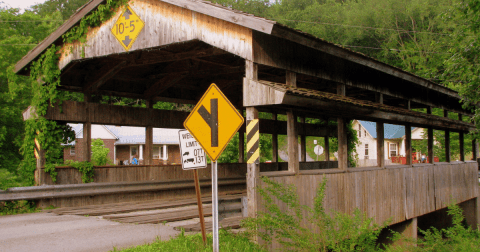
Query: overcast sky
[(20, 3)]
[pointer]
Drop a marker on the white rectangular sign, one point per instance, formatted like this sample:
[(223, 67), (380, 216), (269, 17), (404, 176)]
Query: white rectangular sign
[(192, 154)]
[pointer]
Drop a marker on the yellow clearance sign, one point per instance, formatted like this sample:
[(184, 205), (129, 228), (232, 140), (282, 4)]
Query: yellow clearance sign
[(213, 122), (127, 28)]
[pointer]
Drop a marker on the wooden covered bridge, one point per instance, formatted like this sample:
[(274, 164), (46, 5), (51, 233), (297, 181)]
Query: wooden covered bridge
[(261, 66)]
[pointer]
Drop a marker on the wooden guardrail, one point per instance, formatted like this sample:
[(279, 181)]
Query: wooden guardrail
[(99, 193)]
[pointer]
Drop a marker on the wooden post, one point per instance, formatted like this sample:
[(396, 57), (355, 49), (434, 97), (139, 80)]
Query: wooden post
[(327, 148), (87, 130), (274, 142), (380, 136), (303, 143), (408, 143), (253, 170), (430, 139), (253, 174), (291, 78), (149, 138), (461, 140), (474, 149), (241, 147), (40, 179), (200, 206), (462, 146), (447, 140), (342, 135), (292, 138)]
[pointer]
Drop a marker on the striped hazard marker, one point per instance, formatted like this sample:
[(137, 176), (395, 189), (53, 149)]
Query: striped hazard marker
[(253, 142)]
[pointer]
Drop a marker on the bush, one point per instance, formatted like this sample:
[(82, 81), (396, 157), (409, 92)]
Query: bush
[(336, 232), (187, 243), (7, 180), (100, 153)]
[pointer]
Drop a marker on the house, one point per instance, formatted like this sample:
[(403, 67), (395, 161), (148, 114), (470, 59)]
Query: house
[(394, 146), (126, 142)]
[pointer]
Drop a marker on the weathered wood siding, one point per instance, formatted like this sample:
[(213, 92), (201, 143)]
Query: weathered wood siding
[(397, 194), (164, 24), (132, 173)]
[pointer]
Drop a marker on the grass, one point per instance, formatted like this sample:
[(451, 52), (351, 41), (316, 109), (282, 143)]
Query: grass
[(228, 242)]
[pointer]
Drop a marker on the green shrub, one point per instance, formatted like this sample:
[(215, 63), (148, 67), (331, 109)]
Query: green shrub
[(7, 180), (85, 168), (17, 207), (100, 153), (336, 232), (182, 242)]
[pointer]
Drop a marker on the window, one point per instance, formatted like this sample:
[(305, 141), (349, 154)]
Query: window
[(72, 150), (366, 150), (359, 131), (158, 152), (393, 150)]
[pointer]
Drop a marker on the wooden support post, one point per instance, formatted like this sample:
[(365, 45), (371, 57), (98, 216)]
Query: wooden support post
[(471, 212), (274, 142), (148, 159), (380, 136), (241, 147), (430, 140), (253, 170), (408, 144), (342, 135), (292, 138), (447, 140), (291, 78), (461, 140), (462, 145), (87, 131), (409, 105), (327, 148), (200, 206), (253, 174), (303, 143), (474, 150), (407, 229), (40, 178)]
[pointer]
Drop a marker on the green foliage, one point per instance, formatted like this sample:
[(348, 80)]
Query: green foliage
[(7, 180), (100, 153), (285, 217), (50, 169), (85, 168), (17, 207), (227, 242), (455, 238)]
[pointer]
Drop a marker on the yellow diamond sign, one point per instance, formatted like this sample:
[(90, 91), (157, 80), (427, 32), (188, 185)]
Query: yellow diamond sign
[(127, 28), (213, 122)]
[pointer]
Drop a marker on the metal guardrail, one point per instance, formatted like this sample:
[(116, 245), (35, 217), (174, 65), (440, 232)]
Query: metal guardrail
[(91, 189)]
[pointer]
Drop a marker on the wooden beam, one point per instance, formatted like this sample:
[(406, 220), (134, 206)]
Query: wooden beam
[(148, 157), (408, 144), (462, 145), (447, 140), (291, 78), (326, 104), (241, 147), (342, 135), (253, 174), (274, 141), (292, 138), (430, 139), (380, 136), (106, 73), (196, 54), (303, 143), (474, 149), (161, 85), (327, 148), (87, 129)]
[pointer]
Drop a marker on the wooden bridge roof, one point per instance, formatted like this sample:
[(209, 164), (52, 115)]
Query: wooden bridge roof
[(186, 45)]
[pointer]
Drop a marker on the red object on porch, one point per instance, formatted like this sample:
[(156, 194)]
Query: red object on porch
[(403, 160)]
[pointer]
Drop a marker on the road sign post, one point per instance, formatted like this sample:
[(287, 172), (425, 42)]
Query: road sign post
[(193, 157), (213, 122)]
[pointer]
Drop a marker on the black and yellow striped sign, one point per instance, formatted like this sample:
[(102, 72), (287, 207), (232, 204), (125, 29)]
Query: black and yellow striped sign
[(253, 142)]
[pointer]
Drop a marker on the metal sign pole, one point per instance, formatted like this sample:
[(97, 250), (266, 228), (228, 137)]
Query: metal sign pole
[(215, 206), (200, 206)]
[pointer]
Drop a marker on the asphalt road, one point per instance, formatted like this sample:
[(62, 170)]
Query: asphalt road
[(50, 232)]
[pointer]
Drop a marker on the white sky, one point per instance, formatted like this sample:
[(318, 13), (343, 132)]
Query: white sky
[(20, 3)]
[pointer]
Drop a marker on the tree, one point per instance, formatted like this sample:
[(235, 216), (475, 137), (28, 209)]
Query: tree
[(100, 153)]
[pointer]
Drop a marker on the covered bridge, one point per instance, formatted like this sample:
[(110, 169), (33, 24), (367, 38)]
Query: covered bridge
[(262, 66)]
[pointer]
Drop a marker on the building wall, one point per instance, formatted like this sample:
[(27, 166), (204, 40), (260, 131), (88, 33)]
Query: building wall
[(79, 150)]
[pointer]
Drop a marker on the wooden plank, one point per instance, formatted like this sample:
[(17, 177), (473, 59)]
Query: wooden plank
[(227, 223), (292, 138), (462, 145), (408, 144)]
